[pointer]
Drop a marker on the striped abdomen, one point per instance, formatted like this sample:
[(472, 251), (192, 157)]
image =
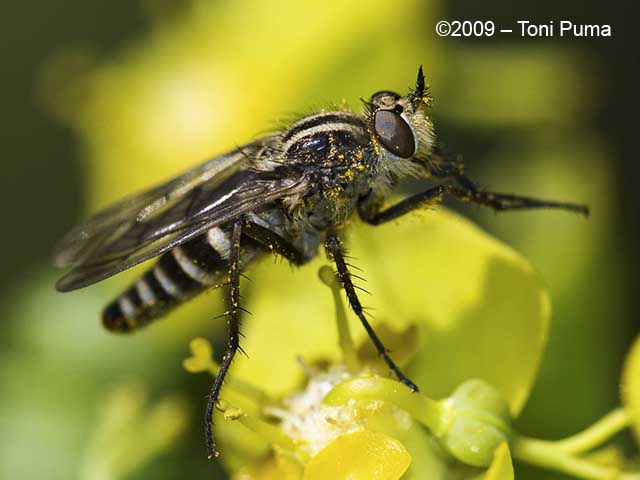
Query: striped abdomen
[(178, 275)]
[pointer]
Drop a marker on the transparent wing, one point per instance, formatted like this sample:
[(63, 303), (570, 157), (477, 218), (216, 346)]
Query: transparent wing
[(101, 227), (148, 224)]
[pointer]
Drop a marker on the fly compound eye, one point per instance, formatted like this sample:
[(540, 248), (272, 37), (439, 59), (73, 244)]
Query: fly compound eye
[(394, 133)]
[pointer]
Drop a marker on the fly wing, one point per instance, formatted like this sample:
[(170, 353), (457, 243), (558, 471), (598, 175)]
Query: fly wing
[(148, 224), (80, 242)]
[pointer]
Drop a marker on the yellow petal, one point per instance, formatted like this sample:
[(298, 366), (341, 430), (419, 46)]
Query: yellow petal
[(631, 385), (502, 467), (277, 467), (465, 292), (361, 455)]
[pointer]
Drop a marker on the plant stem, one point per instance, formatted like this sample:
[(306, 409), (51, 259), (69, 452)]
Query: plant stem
[(546, 454), (272, 433), (259, 396), (561, 454), (597, 433), (434, 415)]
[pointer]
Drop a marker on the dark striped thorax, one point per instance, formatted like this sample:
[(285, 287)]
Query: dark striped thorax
[(345, 159)]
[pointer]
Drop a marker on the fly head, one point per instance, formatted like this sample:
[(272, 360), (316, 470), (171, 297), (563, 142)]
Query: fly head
[(402, 130)]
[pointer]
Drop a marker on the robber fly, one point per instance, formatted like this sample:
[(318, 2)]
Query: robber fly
[(287, 193)]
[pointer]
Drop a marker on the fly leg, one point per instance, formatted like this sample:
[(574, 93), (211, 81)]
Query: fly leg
[(451, 169), (447, 167), (274, 242), (233, 313), (434, 195), (334, 249)]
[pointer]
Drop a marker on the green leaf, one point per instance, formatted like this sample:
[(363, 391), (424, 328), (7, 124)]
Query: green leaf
[(479, 308), (631, 385)]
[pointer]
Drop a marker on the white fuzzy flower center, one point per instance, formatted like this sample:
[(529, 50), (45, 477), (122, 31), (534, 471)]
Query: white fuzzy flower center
[(311, 424)]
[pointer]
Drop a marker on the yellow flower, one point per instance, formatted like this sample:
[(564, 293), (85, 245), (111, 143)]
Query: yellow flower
[(351, 421)]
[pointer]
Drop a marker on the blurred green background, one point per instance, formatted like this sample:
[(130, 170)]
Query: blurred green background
[(100, 99)]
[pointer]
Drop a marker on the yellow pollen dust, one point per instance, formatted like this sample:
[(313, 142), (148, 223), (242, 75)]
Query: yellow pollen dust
[(349, 175)]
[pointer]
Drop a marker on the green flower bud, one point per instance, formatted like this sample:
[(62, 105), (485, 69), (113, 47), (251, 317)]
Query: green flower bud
[(479, 422)]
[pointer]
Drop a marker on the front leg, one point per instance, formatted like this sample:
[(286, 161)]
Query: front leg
[(434, 195), (445, 167), (332, 245)]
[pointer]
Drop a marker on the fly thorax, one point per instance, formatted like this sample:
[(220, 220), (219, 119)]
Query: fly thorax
[(334, 150)]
